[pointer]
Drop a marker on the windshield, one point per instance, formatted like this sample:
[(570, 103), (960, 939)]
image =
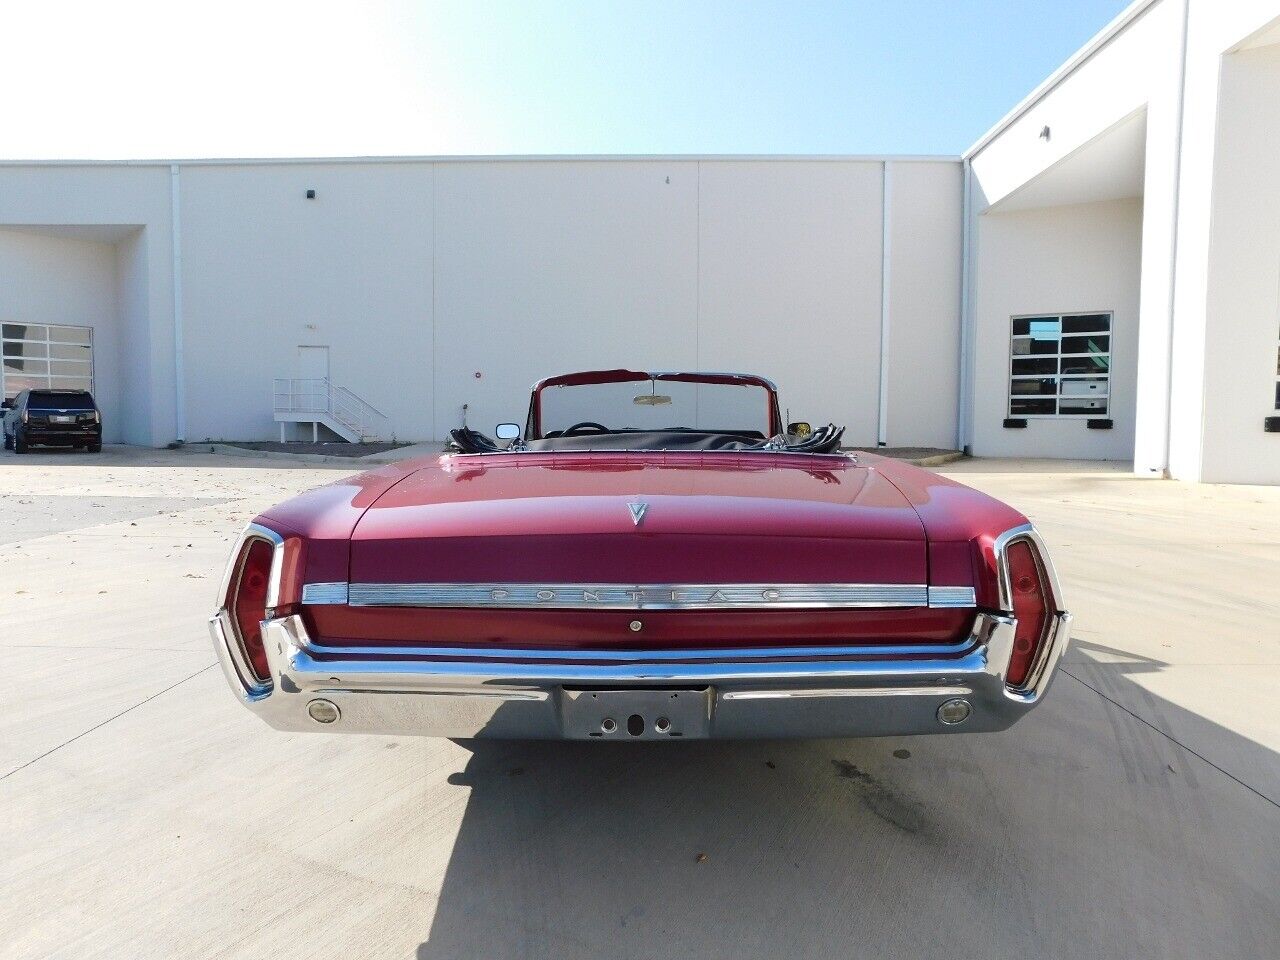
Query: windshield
[(658, 405), (629, 410)]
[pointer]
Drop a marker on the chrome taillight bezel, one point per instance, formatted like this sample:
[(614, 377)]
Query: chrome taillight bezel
[(1054, 605), (250, 532), (230, 587)]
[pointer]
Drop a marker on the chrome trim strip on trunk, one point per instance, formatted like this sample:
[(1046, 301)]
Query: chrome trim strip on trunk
[(952, 597), (613, 596), (637, 655), (324, 593)]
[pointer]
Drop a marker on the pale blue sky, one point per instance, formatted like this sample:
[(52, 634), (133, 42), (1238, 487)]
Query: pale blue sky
[(141, 78)]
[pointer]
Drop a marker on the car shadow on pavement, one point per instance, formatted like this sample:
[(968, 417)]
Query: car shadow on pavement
[(1068, 835)]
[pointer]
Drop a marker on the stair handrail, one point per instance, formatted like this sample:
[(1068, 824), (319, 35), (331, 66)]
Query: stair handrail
[(320, 395)]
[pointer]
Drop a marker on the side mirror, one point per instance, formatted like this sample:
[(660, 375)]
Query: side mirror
[(7, 404), (800, 428), (507, 431)]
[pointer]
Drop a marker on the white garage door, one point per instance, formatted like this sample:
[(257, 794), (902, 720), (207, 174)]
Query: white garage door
[(46, 356)]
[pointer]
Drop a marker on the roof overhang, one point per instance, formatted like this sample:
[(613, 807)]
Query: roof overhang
[(1111, 166)]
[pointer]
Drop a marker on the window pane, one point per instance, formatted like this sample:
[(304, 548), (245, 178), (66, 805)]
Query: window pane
[(14, 385), (1036, 365), (1094, 344), (69, 351), (1039, 326), (69, 334), (1021, 406), (26, 349), (1084, 386), (1025, 346), (1088, 323), (1033, 345), (22, 365), (1077, 405), (70, 383), (70, 368), (1086, 364), (1045, 386), (22, 331)]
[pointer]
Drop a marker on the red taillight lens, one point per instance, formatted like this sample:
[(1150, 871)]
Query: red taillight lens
[(1026, 581), (249, 603)]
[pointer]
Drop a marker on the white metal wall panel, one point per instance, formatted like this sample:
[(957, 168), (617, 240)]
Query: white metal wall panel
[(545, 268), (790, 283)]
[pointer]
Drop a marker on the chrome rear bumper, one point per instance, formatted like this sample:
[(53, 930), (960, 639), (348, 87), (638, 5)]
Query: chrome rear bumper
[(749, 693)]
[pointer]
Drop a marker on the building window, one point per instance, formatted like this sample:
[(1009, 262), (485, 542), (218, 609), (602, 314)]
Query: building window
[(1060, 366), (36, 356)]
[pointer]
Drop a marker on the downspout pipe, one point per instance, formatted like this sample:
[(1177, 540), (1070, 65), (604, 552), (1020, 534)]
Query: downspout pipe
[(886, 196), (964, 413), (179, 367)]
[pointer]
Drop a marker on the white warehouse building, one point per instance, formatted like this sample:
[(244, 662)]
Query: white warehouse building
[(1098, 277)]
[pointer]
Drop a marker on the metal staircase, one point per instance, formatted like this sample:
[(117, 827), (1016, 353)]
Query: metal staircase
[(321, 402)]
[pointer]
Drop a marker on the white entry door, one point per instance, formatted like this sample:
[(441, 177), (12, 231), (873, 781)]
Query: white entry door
[(313, 363)]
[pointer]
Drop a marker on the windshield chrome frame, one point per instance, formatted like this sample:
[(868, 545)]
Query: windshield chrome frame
[(533, 421)]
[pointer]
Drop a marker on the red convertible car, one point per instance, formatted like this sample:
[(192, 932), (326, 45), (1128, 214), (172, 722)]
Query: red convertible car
[(652, 556)]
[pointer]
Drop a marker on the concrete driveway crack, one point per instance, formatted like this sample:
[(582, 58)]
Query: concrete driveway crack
[(108, 720), (1172, 739)]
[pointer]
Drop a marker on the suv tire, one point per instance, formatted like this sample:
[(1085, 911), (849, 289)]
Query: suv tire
[(94, 447), (19, 443)]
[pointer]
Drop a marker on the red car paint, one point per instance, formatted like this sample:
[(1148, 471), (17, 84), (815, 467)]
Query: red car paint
[(713, 518)]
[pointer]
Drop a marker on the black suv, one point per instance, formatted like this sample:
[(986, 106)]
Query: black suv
[(56, 418)]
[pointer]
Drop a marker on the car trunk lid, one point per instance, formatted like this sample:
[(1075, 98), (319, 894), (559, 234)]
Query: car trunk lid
[(641, 518), (565, 529)]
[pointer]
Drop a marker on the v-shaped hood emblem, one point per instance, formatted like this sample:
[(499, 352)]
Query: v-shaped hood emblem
[(637, 512)]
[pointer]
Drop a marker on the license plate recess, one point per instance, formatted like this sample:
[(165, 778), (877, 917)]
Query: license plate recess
[(636, 714)]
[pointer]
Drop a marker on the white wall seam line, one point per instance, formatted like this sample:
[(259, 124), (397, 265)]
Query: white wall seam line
[(886, 188)]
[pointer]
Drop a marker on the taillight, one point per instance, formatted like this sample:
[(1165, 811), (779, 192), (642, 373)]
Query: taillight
[(249, 601), (1028, 589)]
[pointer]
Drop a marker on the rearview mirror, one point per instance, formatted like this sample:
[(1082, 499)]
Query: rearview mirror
[(651, 399), (507, 431), (800, 428)]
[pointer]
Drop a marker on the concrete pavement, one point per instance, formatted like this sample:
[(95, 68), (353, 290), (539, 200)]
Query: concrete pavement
[(143, 813)]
